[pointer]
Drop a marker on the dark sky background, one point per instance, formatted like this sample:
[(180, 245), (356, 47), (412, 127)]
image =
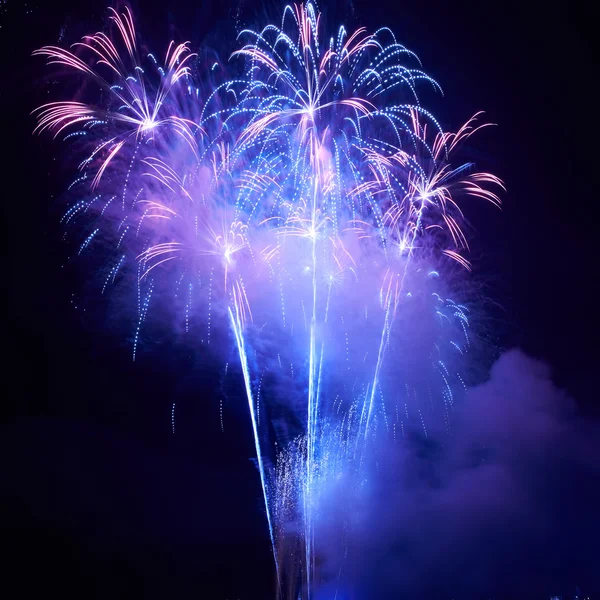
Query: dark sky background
[(100, 499)]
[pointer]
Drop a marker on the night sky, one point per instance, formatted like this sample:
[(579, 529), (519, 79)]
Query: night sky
[(101, 500)]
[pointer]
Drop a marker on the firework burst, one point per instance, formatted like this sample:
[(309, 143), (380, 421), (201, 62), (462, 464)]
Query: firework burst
[(316, 203)]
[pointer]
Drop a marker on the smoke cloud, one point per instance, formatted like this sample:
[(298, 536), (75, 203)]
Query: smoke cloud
[(506, 502)]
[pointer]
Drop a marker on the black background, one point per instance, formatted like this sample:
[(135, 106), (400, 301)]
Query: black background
[(99, 499)]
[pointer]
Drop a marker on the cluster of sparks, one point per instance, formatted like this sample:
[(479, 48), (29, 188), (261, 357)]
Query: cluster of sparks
[(313, 199)]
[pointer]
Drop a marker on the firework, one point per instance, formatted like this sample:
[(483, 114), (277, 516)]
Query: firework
[(312, 204)]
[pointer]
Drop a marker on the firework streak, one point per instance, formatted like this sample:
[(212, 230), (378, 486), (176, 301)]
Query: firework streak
[(309, 202)]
